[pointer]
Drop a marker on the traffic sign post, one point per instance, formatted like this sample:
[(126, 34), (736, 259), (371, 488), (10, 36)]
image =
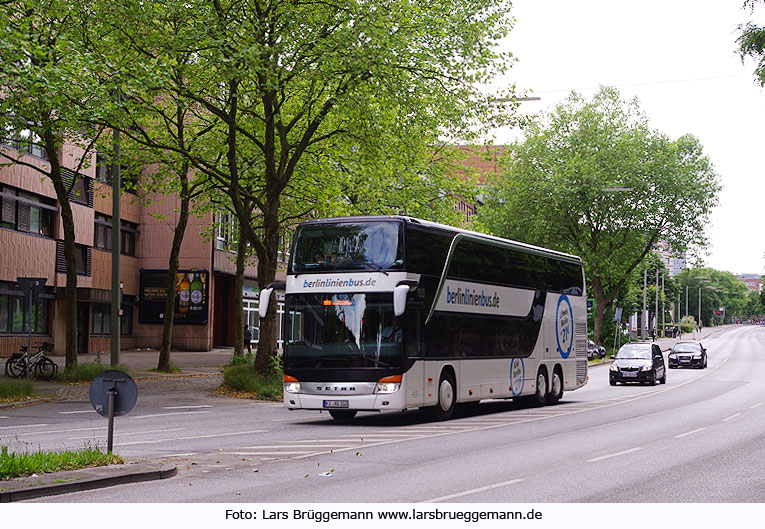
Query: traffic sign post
[(31, 287), (113, 393)]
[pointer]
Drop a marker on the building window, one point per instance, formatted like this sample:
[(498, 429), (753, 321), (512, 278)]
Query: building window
[(102, 234), (13, 311), (101, 316), (23, 140), (225, 228), (80, 187), (83, 255), (26, 212), (128, 175)]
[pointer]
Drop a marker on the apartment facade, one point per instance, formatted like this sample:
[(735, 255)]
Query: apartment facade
[(31, 243)]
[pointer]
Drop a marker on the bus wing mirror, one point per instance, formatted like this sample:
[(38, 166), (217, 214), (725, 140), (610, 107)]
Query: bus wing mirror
[(399, 299), (265, 300)]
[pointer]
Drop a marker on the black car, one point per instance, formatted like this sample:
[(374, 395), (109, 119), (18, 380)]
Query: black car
[(638, 362), (688, 354)]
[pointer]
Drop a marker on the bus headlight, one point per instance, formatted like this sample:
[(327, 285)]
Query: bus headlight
[(291, 384), (388, 384)]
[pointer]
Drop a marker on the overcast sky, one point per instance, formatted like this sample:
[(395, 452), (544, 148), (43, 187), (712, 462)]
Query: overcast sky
[(678, 57)]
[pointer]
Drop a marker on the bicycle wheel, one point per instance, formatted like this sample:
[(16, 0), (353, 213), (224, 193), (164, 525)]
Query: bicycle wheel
[(45, 369), (15, 367)]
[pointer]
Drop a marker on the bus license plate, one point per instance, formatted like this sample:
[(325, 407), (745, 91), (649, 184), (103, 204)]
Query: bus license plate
[(335, 403)]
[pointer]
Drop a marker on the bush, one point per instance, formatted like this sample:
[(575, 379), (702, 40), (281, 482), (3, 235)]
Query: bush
[(240, 376), (13, 389), (84, 372)]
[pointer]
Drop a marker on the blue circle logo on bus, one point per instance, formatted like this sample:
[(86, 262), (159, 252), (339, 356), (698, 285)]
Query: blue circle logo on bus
[(564, 326), (517, 374)]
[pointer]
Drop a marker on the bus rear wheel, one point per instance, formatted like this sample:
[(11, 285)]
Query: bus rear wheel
[(556, 392), (447, 397), (342, 415)]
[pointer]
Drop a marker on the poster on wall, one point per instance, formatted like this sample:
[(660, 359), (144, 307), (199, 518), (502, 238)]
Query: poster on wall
[(191, 296)]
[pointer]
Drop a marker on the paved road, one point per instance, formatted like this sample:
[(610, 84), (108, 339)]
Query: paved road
[(699, 438)]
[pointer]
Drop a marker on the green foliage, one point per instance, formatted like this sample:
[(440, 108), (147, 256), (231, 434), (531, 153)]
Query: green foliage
[(84, 372), (14, 464), (593, 179), (751, 43), (171, 368), (718, 289), (13, 389), (241, 376)]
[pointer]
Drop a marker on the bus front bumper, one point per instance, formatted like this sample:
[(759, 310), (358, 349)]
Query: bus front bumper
[(373, 402)]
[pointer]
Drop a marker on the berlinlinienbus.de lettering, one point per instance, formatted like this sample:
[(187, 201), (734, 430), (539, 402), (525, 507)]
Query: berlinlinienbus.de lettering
[(332, 283), (471, 297)]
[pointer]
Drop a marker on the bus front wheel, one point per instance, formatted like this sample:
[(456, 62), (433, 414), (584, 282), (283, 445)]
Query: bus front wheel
[(447, 397)]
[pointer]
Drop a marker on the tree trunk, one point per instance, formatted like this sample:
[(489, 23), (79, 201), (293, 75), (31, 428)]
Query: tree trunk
[(239, 323), (163, 363), (267, 346), (67, 220), (599, 309)]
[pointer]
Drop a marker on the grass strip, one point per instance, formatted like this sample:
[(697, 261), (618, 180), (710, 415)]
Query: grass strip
[(84, 372), (13, 465), (16, 389)]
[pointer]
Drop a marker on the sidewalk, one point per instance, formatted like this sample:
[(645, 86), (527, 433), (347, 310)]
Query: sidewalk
[(200, 372)]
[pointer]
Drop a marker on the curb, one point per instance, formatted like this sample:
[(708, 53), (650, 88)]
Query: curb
[(86, 484)]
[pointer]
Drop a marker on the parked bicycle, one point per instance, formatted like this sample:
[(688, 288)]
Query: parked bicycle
[(41, 366)]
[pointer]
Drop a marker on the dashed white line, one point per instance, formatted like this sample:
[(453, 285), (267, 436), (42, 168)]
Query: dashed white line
[(617, 454), (79, 411), (23, 426), (190, 438), (755, 406), (168, 414), (474, 491), (697, 430), (726, 419), (186, 407), (128, 433)]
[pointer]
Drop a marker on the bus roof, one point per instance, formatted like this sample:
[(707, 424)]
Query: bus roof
[(530, 248)]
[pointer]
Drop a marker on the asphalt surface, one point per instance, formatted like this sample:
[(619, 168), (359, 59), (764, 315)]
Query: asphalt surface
[(200, 374)]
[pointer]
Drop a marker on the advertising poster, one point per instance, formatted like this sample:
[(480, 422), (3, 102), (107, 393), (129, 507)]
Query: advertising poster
[(191, 296)]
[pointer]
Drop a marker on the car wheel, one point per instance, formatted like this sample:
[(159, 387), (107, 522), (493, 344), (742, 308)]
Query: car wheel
[(612, 382), (652, 380), (556, 393), (342, 415), (663, 379), (447, 396)]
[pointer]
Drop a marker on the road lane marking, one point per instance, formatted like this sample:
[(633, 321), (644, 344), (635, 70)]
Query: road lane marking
[(473, 491), (23, 426), (186, 407), (697, 430), (617, 454), (751, 408), (73, 412), (285, 453), (726, 419), (129, 433), (190, 438), (168, 414)]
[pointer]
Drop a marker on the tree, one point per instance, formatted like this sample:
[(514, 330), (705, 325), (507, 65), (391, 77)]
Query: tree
[(751, 43), (718, 289), (39, 78), (592, 178), (295, 92)]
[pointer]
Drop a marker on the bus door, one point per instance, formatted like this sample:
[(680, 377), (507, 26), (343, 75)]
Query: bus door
[(415, 376)]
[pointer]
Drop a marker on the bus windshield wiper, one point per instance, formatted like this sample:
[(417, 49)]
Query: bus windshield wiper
[(374, 266)]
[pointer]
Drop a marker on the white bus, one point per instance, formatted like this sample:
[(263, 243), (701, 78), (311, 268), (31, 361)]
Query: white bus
[(392, 313)]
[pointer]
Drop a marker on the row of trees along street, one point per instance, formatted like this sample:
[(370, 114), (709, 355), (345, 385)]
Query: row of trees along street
[(277, 110), (273, 109)]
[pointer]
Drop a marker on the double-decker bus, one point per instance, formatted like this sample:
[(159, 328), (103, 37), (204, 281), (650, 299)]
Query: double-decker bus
[(392, 313)]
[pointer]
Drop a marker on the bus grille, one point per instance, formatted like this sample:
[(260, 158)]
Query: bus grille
[(580, 345)]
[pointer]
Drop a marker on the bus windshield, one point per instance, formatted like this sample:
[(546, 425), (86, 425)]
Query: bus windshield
[(342, 331), (349, 246)]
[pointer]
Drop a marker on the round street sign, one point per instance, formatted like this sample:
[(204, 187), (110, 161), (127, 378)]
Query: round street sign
[(126, 392)]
